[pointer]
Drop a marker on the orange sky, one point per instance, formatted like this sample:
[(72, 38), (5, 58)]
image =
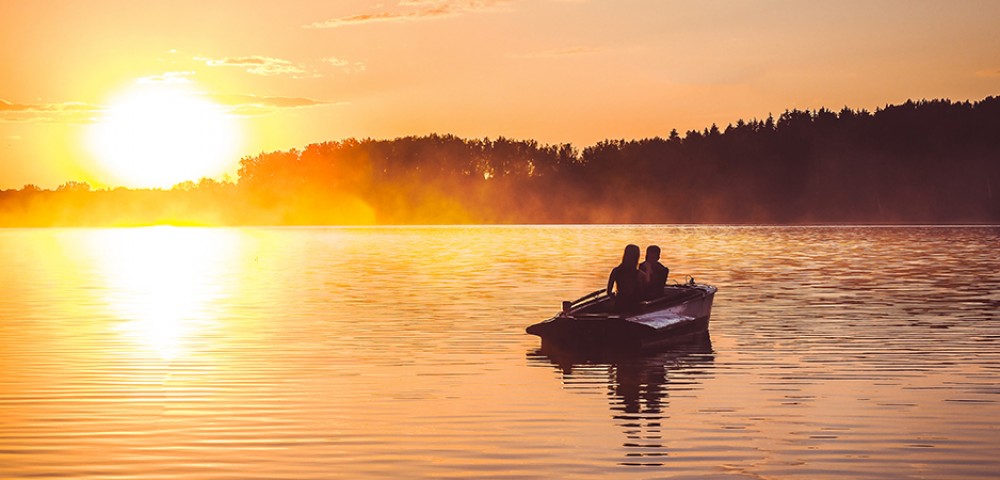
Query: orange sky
[(297, 72)]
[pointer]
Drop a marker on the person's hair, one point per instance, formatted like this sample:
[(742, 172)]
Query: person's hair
[(653, 249), (631, 256)]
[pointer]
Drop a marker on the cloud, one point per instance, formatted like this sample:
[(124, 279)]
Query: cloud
[(425, 10), (47, 112), (345, 65), (991, 72), (241, 104), (6, 106), (168, 77), (77, 112), (258, 65)]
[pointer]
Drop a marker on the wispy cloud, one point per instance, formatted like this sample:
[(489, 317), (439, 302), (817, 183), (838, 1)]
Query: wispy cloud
[(258, 65), (241, 104), (47, 112), (415, 10), (168, 78), (77, 112), (345, 65)]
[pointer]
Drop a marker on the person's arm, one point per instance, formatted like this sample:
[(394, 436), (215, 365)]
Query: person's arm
[(611, 283)]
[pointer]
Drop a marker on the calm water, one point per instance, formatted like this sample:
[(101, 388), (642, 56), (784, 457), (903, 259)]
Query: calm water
[(401, 352)]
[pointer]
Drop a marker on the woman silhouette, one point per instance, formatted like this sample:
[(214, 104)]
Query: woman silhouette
[(623, 283)]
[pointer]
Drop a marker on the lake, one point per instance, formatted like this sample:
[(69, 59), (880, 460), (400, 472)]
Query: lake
[(162, 352)]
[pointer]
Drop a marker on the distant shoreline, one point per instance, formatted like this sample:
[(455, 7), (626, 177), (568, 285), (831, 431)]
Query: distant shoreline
[(919, 163), (515, 225)]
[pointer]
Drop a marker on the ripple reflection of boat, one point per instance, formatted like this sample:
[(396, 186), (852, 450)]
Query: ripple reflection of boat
[(638, 386)]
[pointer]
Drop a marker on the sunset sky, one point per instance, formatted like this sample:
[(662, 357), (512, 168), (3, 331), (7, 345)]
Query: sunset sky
[(265, 75)]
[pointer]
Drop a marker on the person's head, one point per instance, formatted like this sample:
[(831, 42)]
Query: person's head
[(652, 253), (631, 256)]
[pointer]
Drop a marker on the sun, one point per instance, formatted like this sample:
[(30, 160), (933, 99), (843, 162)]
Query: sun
[(158, 135)]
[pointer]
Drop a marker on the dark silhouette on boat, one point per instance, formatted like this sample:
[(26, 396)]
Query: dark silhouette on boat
[(592, 321)]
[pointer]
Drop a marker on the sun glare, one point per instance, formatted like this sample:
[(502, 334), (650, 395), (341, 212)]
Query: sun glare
[(158, 135)]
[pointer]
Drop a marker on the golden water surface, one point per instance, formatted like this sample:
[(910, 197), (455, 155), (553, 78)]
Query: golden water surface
[(834, 352)]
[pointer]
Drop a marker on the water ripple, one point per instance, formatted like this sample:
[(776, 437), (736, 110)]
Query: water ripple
[(859, 352)]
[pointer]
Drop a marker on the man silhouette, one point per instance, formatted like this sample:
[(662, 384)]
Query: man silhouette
[(652, 274)]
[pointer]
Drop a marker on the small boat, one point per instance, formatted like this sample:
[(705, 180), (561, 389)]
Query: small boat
[(590, 321)]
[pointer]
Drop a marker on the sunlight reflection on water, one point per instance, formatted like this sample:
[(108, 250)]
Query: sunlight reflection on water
[(164, 282), (400, 351)]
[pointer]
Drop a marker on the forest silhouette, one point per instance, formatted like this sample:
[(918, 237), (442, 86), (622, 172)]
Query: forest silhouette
[(921, 162)]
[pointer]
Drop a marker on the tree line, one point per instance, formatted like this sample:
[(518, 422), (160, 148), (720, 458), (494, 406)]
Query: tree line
[(933, 161)]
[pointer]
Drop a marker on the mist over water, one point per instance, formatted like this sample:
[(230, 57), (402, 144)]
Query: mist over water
[(849, 352)]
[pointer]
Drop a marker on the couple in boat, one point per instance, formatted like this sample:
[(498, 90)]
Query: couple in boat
[(631, 283)]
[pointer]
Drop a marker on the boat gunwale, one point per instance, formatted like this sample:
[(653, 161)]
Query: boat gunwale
[(646, 306)]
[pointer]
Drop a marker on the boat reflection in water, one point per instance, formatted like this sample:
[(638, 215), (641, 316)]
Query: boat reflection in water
[(638, 385)]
